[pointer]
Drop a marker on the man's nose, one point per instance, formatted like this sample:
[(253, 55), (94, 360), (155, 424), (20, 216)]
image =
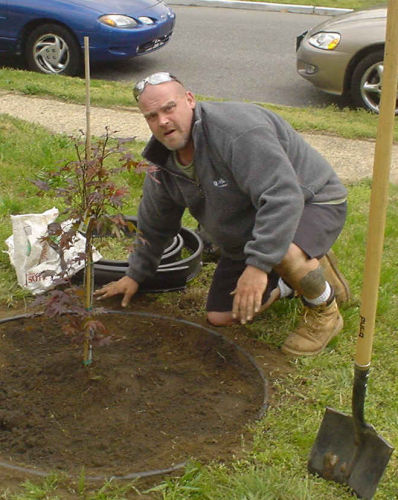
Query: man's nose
[(163, 119)]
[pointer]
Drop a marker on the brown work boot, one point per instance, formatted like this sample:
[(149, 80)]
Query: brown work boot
[(316, 329), (335, 278)]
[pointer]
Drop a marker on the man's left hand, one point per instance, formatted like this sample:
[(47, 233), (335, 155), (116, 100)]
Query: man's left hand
[(248, 294)]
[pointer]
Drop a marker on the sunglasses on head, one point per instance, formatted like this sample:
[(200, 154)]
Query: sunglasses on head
[(154, 79)]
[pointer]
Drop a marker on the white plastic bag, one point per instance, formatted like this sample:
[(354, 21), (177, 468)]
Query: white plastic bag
[(32, 257)]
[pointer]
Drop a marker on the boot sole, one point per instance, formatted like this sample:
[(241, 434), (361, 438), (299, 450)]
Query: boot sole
[(334, 333)]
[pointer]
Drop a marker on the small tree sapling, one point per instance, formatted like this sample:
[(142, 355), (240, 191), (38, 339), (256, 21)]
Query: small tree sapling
[(92, 205)]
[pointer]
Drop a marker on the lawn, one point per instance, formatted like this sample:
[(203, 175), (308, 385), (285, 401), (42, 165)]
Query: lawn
[(272, 464)]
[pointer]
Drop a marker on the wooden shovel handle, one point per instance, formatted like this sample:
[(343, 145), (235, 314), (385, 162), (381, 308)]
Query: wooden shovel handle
[(379, 196)]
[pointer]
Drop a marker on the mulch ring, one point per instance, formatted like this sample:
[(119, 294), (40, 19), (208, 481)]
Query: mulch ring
[(164, 392)]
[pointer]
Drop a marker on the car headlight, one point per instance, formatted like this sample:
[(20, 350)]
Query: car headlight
[(325, 41), (118, 21)]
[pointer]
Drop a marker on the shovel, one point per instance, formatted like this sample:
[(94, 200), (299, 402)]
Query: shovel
[(347, 449)]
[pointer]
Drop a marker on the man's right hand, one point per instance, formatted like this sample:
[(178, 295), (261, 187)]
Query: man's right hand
[(125, 286)]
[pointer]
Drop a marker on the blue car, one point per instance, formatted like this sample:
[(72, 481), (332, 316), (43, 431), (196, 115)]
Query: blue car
[(49, 34)]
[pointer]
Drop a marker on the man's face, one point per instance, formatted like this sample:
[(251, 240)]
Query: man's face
[(168, 110)]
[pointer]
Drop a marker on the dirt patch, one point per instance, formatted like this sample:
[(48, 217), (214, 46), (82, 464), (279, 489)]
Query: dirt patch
[(165, 391)]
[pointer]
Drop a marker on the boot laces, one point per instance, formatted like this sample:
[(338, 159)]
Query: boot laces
[(312, 319)]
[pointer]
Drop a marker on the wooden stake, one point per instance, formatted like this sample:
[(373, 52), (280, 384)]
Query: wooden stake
[(88, 275), (87, 78)]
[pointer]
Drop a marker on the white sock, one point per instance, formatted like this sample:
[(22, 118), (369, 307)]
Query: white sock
[(322, 298), (284, 289)]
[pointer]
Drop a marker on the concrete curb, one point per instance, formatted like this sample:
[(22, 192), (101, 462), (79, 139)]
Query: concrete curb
[(276, 7)]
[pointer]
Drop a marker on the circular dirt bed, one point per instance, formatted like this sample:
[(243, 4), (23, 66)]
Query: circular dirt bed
[(163, 392)]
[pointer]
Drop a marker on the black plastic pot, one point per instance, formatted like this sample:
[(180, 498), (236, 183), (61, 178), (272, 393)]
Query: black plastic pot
[(173, 272)]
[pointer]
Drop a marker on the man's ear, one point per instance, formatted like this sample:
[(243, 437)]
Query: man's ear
[(190, 99)]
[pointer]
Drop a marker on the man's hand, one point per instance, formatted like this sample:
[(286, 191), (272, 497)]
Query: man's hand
[(249, 293), (125, 286)]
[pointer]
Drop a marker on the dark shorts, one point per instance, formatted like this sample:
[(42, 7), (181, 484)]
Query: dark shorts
[(318, 229)]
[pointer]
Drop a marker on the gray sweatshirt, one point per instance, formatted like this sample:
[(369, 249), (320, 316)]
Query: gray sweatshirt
[(254, 174)]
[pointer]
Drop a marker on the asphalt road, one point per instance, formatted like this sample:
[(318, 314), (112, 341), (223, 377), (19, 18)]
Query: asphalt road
[(231, 53)]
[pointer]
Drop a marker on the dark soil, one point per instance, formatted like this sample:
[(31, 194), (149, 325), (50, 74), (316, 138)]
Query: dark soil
[(164, 392)]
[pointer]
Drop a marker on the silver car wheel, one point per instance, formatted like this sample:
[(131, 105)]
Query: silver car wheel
[(371, 84), (51, 53), (367, 81)]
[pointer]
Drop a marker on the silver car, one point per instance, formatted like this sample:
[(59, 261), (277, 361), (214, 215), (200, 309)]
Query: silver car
[(344, 55)]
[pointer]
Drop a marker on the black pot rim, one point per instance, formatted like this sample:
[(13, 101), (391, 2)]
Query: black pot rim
[(173, 272)]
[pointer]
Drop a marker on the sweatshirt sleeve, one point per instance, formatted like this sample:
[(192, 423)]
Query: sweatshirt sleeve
[(264, 172), (159, 220)]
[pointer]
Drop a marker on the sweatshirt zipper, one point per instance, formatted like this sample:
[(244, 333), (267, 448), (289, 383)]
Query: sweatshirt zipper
[(185, 178)]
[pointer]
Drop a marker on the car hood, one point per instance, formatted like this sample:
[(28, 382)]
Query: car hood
[(362, 17), (116, 6)]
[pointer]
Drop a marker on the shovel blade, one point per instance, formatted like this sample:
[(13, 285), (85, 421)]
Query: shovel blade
[(336, 456)]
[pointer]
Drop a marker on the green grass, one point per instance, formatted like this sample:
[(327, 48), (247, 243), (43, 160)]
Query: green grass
[(68, 89), (59, 487), (273, 466)]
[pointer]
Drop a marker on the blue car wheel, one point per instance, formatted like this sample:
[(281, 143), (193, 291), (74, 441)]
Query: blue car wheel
[(52, 49)]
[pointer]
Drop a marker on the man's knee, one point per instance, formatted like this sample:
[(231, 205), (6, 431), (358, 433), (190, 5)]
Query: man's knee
[(295, 264), (216, 318)]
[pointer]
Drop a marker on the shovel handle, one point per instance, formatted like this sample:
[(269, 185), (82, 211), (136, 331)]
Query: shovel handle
[(379, 195)]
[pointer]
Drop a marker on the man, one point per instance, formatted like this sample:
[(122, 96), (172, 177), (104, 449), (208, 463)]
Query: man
[(268, 200)]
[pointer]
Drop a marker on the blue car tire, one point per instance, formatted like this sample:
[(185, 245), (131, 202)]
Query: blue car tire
[(52, 49)]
